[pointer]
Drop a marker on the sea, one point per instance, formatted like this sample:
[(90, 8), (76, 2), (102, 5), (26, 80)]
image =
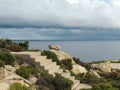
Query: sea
[(86, 51)]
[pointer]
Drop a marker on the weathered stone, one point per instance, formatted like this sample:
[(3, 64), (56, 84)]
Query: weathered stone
[(61, 55), (76, 68), (33, 80), (105, 67), (54, 47)]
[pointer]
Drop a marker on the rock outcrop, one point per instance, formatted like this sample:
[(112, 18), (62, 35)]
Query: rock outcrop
[(54, 47), (105, 67), (76, 68)]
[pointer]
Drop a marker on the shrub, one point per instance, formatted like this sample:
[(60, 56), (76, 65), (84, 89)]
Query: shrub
[(14, 47), (66, 63), (62, 83), (103, 86), (9, 44), (2, 63), (7, 58), (24, 45), (33, 70), (54, 83), (86, 65), (8, 41), (2, 43), (23, 72), (51, 55), (90, 78), (18, 86)]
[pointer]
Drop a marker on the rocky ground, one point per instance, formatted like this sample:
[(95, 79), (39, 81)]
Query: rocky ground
[(77, 74)]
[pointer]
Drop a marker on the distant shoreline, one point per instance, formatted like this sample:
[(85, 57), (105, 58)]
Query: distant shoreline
[(59, 40)]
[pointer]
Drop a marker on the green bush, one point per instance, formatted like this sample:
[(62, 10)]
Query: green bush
[(23, 72), (2, 43), (54, 83), (2, 63), (67, 64), (33, 70), (45, 82), (7, 58), (103, 86), (62, 83), (51, 55), (90, 78), (24, 45), (18, 86), (14, 47), (86, 65), (8, 41), (9, 44)]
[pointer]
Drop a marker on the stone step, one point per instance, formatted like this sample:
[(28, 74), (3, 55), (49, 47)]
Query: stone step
[(75, 84), (43, 60), (53, 70), (67, 75), (51, 66), (46, 63), (39, 57), (83, 86)]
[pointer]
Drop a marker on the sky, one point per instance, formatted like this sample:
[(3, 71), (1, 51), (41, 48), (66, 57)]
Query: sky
[(60, 19)]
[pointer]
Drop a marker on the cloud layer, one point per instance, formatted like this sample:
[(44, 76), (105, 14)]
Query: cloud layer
[(60, 19)]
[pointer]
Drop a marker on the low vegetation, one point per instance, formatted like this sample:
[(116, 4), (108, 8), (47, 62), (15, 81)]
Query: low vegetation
[(86, 65), (19, 86), (51, 55), (2, 63), (7, 58), (12, 46), (66, 64), (58, 82), (106, 82), (25, 72)]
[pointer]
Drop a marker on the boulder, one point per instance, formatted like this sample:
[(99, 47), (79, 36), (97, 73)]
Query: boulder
[(33, 80), (54, 47), (78, 69), (105, 67)]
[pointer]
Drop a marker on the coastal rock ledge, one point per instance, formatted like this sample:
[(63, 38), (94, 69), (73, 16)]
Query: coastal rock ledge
[(62, 55)]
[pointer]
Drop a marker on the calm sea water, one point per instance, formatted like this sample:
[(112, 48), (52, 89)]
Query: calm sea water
[(85, 50)]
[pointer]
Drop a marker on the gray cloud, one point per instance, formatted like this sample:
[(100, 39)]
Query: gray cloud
[(60, 13), (60, 19), (59, 34)]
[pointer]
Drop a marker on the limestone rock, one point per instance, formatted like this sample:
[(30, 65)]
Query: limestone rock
[(33, 80), (4, 86), (105, 67), (54, 47), (78, 69), (62, 55), (9, 67)]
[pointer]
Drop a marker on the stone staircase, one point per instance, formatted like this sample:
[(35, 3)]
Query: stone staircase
[(52, 68)]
